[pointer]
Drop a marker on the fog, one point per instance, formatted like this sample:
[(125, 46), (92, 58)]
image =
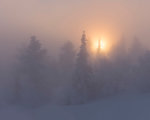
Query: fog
[(49, 18), (68, 52), (56, 21)]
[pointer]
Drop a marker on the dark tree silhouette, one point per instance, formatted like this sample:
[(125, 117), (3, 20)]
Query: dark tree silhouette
[(82, 80), (32, 72)]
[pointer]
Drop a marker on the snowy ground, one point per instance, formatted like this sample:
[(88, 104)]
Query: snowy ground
[(133, 107)]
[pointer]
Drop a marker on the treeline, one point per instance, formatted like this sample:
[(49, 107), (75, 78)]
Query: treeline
[(76, 77)]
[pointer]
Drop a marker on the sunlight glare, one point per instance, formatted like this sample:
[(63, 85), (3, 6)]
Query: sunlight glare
[(99, 44)]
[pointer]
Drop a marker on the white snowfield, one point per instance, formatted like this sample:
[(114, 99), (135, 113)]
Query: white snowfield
[(133, 107)]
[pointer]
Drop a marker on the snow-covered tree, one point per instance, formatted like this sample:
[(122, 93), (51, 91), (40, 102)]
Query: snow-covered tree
[(136, 50), (119, 51), (103, 75), (32, 71), (120, 68), (82, 80), (144, 72), (66, 67), (67, 58), (101, 71)]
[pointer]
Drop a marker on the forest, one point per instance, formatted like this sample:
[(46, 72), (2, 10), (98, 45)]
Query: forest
[(76, 76)]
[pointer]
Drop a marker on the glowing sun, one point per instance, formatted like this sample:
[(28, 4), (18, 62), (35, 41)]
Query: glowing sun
[(99, 44), (102, 45)]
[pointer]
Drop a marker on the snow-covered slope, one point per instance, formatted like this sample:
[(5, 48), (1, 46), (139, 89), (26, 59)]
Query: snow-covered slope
[(133, 107)]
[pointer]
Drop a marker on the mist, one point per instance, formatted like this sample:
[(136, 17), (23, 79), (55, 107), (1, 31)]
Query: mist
[(65, 55)]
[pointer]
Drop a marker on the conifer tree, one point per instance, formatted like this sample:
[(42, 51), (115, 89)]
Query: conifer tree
[(32, 72), (82, 80)]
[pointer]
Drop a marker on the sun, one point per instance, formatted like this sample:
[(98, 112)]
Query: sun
[(102, 45), (99, 44)]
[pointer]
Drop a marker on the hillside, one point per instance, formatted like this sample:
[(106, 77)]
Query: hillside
[(131, 107)]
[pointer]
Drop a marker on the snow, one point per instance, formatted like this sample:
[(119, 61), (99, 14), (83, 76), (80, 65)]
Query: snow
[(127, 107)]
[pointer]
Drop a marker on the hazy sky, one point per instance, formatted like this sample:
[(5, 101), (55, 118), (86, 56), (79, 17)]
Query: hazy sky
[(54, 21)]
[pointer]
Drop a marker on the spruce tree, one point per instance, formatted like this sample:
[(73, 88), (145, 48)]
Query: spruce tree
[(32, 73), (66, 65), (82, 80)]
